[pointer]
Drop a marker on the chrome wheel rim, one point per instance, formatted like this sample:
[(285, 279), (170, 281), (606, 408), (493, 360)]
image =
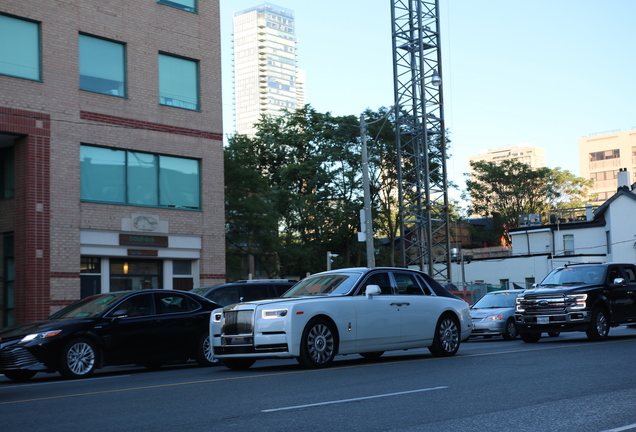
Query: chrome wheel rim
[(208, 351), (320, 344), (80, 358), (448, 335), (512, 329), (601, 324)]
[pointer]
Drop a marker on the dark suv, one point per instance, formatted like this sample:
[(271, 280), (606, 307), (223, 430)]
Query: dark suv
[(579, 297), (246, 290)]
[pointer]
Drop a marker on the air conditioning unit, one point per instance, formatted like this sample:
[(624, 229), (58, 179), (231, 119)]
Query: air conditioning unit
[(532, 219)]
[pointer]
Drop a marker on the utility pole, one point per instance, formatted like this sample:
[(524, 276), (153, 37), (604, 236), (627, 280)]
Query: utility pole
[(367, 220)]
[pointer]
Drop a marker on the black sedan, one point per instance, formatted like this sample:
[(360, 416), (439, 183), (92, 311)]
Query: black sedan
[(147, 327)]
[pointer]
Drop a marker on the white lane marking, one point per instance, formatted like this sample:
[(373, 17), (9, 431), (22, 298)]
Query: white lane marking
[(353, 399), (623, 428), (62, 381)]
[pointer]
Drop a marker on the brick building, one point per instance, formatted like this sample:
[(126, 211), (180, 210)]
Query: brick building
[(111, 158)]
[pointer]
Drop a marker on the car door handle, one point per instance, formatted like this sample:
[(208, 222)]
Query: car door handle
[(401, 304)]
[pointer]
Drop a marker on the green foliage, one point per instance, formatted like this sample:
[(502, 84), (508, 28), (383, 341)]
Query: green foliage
[(508, 189)]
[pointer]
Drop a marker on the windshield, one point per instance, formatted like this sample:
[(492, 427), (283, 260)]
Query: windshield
[(89, 307), (326, 284), (574, 276), (497, 300)]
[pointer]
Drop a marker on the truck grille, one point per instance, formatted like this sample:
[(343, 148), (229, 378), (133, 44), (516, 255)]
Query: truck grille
[(238, 322), (543, 304)]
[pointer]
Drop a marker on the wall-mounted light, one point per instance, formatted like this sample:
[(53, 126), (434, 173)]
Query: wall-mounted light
[(126, 268)]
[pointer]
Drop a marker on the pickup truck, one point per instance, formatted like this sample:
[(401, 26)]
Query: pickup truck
[(578, 297)]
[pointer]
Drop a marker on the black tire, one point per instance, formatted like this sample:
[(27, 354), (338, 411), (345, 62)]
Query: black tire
[(318, 345), (20, 375), (205, 352), (446, 340), (554, 334), (238, 364), (372, 355), (599, 325), (530, 337), (510, 332), (78, 359)]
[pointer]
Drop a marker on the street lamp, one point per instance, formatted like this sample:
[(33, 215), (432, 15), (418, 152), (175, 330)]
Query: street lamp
[(436, 80)]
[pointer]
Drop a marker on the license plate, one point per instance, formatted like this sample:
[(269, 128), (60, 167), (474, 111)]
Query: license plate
[(543, 320)]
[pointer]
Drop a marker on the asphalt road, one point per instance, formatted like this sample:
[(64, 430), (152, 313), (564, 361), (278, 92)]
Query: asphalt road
[(559, 384)]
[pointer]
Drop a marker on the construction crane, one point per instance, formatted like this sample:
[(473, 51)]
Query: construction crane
[(421, 137)]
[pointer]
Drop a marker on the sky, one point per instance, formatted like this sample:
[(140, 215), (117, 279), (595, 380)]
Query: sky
[(543, 72)]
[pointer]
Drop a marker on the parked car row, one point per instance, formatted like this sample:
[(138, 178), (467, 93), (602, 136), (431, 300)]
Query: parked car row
[(344, 311), (358, 310)]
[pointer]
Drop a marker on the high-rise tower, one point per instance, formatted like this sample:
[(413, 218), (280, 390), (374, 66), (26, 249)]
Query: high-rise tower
[(265, 73)]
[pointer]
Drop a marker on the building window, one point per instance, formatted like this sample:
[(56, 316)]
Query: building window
[(7, 173), (20, 48), (178, 82), (568, 244), (607, 154), (186, 5), (182, 275), (102, 65), (128, 275), (135, 178)]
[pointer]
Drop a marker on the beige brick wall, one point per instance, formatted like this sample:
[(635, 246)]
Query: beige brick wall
[(146, 28)]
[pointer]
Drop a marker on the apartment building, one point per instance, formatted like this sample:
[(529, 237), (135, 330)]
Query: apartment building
[(602, 155), (111, 158), (266, 79), (526, 153)]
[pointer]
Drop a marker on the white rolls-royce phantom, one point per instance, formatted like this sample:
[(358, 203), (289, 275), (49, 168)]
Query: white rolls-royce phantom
[(348, 311)]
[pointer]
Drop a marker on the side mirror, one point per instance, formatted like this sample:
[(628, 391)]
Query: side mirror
[(121, 313), (372, 290), (619, 282)]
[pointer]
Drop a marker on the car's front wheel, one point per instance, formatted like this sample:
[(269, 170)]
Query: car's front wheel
[(318, 344), (511, 330), (20, 375), (446, 339), (79, 359), (599, 326), (205, 352)]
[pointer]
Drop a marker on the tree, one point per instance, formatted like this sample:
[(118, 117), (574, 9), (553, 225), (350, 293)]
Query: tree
[(305, 167), (508, 189)]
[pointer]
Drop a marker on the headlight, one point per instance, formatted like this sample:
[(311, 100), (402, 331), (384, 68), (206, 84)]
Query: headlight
[(518, 307), (493, 318), (274, 313), (43, 335), (217, 317), (577, 301)]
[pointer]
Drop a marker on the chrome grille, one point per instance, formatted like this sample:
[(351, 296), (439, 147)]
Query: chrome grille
[(238, 322), (543, 304)]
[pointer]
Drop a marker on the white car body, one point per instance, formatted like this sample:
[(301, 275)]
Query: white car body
[(363, 320)]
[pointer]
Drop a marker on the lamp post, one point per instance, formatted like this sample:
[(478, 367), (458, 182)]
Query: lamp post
[(458, 255), (368, 222)]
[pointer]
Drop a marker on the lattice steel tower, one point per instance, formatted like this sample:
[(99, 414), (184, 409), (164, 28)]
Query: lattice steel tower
[(421, 138)]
